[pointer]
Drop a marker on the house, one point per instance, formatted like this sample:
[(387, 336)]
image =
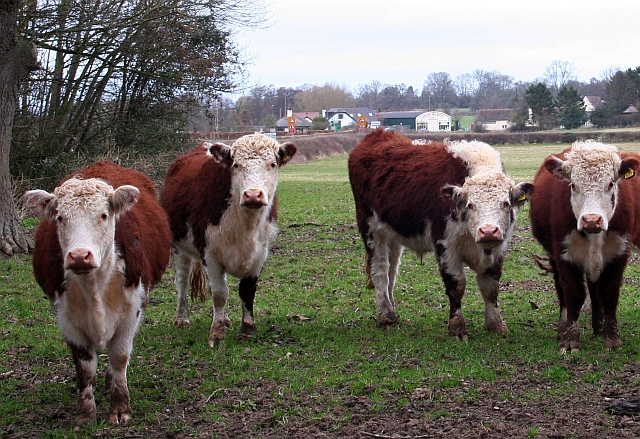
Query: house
[(495, 120), (308, 115), (340, 118), (591, 103), (630, 110), (302, 124)]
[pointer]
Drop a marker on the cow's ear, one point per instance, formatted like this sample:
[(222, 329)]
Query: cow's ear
[(629, 167), (557, 167), (41, 203), (453, 195), (221, 153), (521, 193), (124, 198), (286, 153)]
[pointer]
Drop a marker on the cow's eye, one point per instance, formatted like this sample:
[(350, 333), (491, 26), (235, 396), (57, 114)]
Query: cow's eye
[(274, 165), (104, 216), (59, 219), (573, 187), (506, 205), (611, 184), (471, 206), (235, 165)]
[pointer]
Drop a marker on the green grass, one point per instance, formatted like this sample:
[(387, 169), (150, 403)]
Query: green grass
[(317, 335)]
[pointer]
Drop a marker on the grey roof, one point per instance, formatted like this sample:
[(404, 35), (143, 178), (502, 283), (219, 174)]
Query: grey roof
[(596, 101), (631, 109), (353, 113), (494, 115), (283, 123), (400, 114)]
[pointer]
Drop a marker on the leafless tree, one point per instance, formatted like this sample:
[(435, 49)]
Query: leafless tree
[(114, 68), (17, 60), (558, 74)]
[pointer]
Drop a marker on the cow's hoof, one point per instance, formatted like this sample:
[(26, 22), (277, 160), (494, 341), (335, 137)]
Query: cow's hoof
[(457, 328), (496, 327), (179, 322), (612, 343), (85, 419), (248, 328), (387, 319), (120, 415)]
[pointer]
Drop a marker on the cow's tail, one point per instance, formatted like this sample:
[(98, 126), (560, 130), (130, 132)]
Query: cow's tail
[(544, 263), (198, 283)]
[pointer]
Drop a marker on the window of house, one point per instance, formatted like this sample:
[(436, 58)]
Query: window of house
[(340, 116)]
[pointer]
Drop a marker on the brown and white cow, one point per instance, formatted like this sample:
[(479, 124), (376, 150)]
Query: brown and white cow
[(103, 243), (586, 215), (221, 202), (450, 198)]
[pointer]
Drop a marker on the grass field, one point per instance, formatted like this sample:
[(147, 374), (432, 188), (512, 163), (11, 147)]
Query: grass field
[(319, 356)]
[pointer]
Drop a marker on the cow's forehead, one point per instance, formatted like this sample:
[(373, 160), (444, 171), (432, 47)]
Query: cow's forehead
[(488, 185), (592, 162), (83, 193), (255, 146)]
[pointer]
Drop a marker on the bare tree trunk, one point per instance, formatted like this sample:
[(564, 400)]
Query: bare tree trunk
[(16, 62)]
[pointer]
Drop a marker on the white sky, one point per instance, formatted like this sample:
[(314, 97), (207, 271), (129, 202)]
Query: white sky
[(352, 42)]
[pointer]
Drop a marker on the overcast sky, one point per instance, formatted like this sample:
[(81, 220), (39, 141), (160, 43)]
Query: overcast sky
[(353, 42)]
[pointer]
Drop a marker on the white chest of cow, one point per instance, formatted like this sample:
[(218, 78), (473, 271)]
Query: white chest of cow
[(241, 241)]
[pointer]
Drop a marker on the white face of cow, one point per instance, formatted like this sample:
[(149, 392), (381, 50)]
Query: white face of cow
[(487, 203), (593, 171), (86, 213), (254, 160)]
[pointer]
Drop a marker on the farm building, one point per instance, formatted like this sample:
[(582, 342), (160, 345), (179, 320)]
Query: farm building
[(339, 118), (494, 120), (433, 121), (417, 120)]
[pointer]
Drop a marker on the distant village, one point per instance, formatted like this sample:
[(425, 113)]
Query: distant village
[(363, 118)]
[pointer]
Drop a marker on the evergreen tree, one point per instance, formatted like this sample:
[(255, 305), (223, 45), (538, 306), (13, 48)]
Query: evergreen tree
[(538, 97), (571, 108)]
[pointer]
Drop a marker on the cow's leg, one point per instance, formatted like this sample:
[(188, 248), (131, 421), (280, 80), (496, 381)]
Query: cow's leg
[(455, 282), (86, 362), (120, 347), (116, 386), (220, 292), (380, 269), (596, 310), (184, 268), (489, 285), (608, 293), (395, 255), (571, 281), (247, 289)]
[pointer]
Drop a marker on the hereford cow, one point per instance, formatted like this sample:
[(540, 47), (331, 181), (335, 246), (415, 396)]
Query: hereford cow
[(103, 243), (584, 213), (221, 203), (453, 199)]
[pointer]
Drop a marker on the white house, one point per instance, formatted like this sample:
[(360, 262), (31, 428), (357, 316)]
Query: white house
[(339, 118), (494, 120)]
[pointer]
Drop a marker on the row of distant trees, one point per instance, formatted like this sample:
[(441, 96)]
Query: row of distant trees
[(477, 90)]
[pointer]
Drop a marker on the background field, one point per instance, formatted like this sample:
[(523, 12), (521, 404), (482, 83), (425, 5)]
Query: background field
[(319, 365)]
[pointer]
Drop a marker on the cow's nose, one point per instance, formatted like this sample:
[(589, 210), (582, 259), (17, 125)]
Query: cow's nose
[(254, 198), (591, 223), (80, 260), (489, 233)]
